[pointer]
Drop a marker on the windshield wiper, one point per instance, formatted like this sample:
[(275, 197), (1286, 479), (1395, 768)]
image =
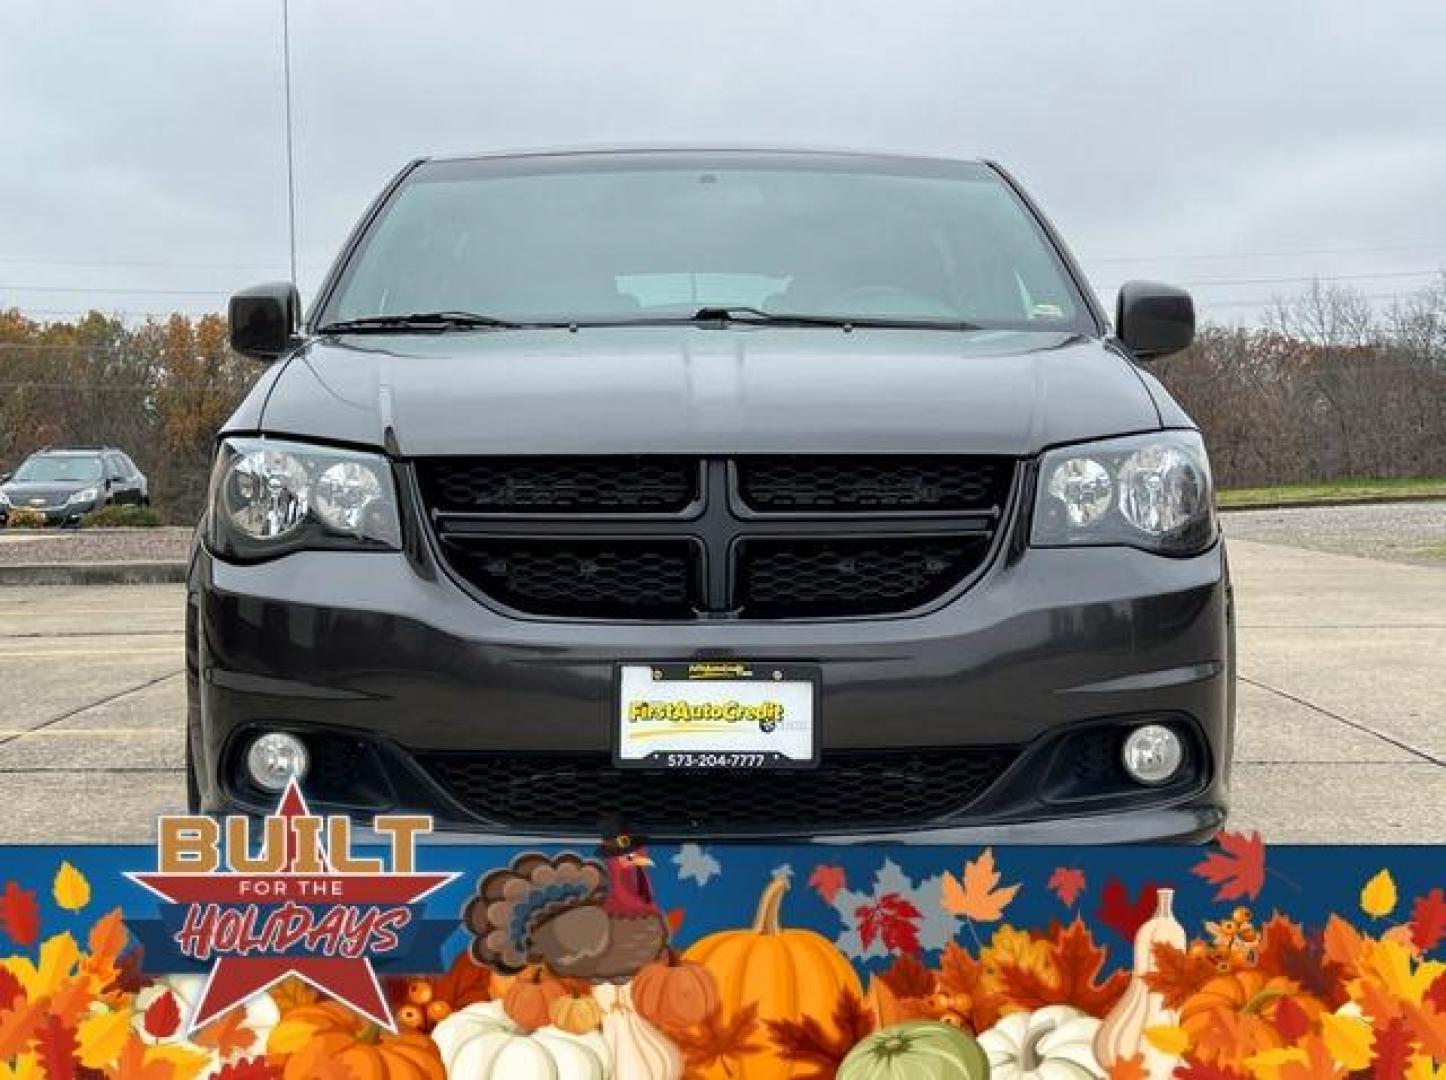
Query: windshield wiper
[(421, 320), (752, 316)]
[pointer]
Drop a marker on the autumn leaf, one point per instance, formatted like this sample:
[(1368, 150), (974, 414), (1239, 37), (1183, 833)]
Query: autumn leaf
[(163, 1018), (105, 941), (1394, 1049), (19, 915), (978, 898), (827, 881), (907, 977), (128, 977), (184, 1062), (17, 1025), (1428, 920), (256, 1068), (893, 920), (1291, 1020), (807, 1041), (961, 975), (1194, 1070), (716, 1044), (1343, 943), (1378, 897), (71, 890), (1077, 961), (1315, 1063), (1123, 915), (56, 1048), (228, 1035), (133, 1063), (1348, 1039), (1170, 1040), (1390, 963), (102, 1037), (1066, 883), (1130, 1068), (1436, 995), (1178, 974), (1428, 1024), (1238, 867)]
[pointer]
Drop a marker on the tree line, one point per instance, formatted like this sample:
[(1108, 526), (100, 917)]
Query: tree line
[(1327, 388)]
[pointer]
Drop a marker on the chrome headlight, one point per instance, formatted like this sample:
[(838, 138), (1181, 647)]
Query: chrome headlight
[(1146, 491), (270, 496), (4, 499), (84, 495)]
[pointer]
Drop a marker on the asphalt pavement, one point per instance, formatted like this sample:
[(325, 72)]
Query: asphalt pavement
[(1342, 703)]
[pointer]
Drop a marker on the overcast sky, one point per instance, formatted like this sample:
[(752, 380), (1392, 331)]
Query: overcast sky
[(1235, 147)]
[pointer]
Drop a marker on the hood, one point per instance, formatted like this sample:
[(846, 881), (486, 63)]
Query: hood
[(708, 391), (49, 492)]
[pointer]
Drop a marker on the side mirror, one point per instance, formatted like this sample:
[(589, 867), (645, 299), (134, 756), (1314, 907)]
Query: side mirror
[(264, 320), (1154, 320)]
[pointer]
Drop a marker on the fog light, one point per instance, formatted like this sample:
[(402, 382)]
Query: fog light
[(276, 758), (1153, 754)]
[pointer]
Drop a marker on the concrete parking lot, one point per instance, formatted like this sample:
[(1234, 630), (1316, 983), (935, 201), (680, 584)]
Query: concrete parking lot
[(1342, 702)]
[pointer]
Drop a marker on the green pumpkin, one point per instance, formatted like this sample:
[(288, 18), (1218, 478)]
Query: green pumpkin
[(919, 1050)]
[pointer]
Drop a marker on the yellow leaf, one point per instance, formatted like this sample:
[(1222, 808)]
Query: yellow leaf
[(102, 1037), (72, 891), (58, 957), (1348, 1040), (27, 1067), (289, 1036), (1422, 1069), (1390, 963), (1170, 1041), (1267, 1064), (977, 898), (185, 1063), (1378, 898)]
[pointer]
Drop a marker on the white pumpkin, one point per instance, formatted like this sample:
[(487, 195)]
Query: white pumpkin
[(262, 1014), (481, 1042), (640, 1051), (1053, 1043)]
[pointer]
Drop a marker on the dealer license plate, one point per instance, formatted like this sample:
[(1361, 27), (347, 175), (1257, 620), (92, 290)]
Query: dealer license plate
[(717, 715)]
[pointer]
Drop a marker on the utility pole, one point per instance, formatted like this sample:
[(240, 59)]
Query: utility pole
[(290, 157)]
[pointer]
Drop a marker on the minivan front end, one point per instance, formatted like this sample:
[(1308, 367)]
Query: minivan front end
[(459, 566)]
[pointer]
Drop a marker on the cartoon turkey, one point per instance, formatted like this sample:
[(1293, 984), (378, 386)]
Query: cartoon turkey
[(582, 918)]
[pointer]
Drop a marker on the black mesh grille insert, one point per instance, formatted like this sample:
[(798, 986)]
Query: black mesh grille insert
[(879, 484), (814, 577), (585, 578), (849, 790), (563, 485)]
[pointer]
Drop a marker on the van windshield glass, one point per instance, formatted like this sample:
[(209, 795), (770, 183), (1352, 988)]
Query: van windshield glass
[(642, 236)]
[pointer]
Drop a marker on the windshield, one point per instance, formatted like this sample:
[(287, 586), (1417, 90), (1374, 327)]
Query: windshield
[(59, 468), (614, 237)]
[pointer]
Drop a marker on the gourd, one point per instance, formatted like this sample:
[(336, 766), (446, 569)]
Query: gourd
[(1122, 1035), (920, 1050), (529, 999), (785, 973), (1053, 1043), (328, 1033), (674, 992), (576, 1014), (481, 1042), (639, 1050)]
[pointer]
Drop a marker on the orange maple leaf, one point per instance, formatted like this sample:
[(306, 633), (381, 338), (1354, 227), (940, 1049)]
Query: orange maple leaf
[(1067, 883), (978, 898), (1429, 1026), (1130, 1068), (1238, 867)]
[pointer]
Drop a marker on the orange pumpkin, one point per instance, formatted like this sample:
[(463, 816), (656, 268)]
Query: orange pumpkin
[(576, 1014), (529, 999), (786, 973), (1234, 1015), (311, 1036), (675, 993)]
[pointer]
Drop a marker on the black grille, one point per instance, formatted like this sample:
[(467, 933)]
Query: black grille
[(642, 579), (851, 577), (679, 538), (890, 484), (848, 791), (568, 485)]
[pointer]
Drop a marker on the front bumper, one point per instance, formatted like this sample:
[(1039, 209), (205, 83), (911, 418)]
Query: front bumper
[(388, 654)]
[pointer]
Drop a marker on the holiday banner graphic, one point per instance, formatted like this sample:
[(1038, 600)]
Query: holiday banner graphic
[(293, 952)]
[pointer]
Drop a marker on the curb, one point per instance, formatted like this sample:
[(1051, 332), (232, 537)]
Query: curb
[(1326, 504), (93, 573)]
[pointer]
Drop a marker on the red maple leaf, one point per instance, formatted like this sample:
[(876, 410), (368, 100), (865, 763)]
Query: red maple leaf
[(1077, 963), (19, 915), (1428, 920), (827, 881), (1291, 1020), (893, 919), (1238, 867), (1121, 914), (1199, 1071), (1067, 883), (256, 1068), (10, 989), (56, 1047), (163, 1017), (1394, 1048)]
